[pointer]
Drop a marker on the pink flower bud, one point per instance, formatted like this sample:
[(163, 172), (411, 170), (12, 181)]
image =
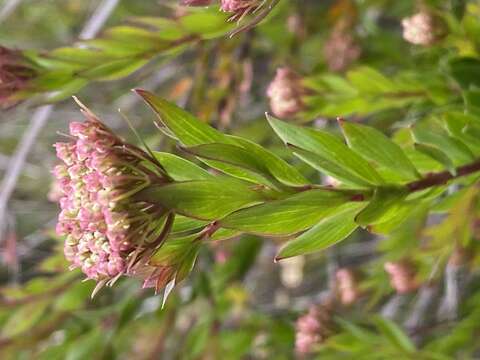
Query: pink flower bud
[(285, 93)]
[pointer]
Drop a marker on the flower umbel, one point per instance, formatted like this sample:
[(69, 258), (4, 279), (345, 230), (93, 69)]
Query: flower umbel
[(108, 231), (285, 93), (423, 28), (15, 75), (313, 328)]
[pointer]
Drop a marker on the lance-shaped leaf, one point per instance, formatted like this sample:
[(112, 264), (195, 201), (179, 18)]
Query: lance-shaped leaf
[(437, 155), (458, 152), (276, 167), (326, 233), (383, 206), (192, 132), (232, 155), (329, 147), (238, 156), (375, 146), (394, 334), (187, 129), (288, 216), (184, 224), (466, 71), (459, 125), (203, 199), (180, 169), (329, 167)]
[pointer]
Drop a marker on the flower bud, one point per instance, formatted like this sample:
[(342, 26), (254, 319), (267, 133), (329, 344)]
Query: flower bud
[(285, 93), (423, 28), (15, 76), (402, 276), (341, 49), (347, 287)]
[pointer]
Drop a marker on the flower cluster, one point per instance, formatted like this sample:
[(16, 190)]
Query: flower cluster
[(15, 76), (313, 328), (341, 49), (285, 93), (423, 28), (239, 7), (107, 228), (402, 276)]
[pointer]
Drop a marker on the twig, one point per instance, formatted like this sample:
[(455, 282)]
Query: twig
[(39, 119)]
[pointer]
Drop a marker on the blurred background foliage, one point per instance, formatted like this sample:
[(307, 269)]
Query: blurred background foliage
[(238, 303)]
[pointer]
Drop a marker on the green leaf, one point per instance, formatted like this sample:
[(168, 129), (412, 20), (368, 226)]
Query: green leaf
[(459, 125), (369, 80), (329, 148), (180, 169), (230, 154), (24, 318), (203, 199), (329, 167), (254, 159), (277, 167), (184, 224), (188, 130), (466, 71), (383, 206), (287, 216), (326, 233), (396, 336), (437, 155), (375, 146), (458, 152)]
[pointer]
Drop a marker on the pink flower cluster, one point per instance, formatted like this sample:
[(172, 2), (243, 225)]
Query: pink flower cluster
[(312, 329), (423, 28), (285, 93), (105, 227)]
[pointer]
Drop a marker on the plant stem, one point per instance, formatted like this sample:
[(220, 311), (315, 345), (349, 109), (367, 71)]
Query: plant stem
[(443, 177)]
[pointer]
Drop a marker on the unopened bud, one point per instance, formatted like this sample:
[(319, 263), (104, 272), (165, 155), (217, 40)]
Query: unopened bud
[(402, 276), (347, 287), (341, 49)]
